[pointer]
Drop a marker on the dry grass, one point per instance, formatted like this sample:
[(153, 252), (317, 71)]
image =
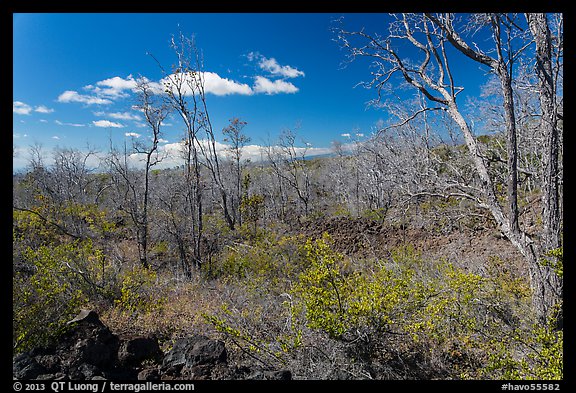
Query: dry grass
[(179, 310)]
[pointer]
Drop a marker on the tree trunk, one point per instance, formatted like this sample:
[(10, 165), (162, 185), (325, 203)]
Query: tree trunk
[(511, 148), (543, 281), (551, 234)]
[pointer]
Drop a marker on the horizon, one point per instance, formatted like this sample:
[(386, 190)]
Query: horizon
[(74, 75)]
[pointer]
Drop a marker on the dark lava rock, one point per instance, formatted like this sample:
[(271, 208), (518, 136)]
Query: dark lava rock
[(88, 350), (134, 351)]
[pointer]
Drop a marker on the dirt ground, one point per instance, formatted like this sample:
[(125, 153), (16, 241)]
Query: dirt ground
[(364, 237)]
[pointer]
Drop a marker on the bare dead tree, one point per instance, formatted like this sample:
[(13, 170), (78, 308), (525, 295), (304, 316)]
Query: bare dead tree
[(429, 73), (155, 112), (174, 217), (237, 140), (289, 163), (208, 146), (502, 65), (547, 69), (181, 94), (275, 189), (134, 193), (186, 93), (70, 166)]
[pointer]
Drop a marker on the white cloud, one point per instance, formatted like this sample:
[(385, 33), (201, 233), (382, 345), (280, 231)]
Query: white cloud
[(253, 56), (106, 91), (132, 134), (56, 137), (345, 135), (271, 65), (107, 123), (265, 85), (74, 96), (114, 87), (21, 108), (43, 109), (118, 83), (69, 124), (175, 152), (118, 115), (213, 84)]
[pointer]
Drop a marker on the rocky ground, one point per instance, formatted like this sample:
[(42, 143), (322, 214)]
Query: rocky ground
[(365, 237), (90, 351)]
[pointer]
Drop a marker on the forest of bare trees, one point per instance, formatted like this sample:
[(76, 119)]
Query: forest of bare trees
[(326, 265)]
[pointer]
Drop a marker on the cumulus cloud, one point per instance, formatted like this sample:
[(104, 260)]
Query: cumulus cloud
[(265, 85), (43, 109), (114, 87), (21, 108), (271, 65), (73, 96), (102, 93), (107, 91), (213, 84), (118, 83), (107, 123), (132, 134)]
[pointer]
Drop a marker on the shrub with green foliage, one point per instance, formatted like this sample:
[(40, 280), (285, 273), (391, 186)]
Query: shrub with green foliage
[(252, 208), (265, 259), (472, 322), (138, 290), (59, 269), (404, 317), (45, 300), (555, 259)]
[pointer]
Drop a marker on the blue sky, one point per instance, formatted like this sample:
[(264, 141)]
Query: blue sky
[(73, 73)]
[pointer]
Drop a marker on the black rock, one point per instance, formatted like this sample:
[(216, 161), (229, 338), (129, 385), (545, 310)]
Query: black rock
[(25, 366), (195, 350), (134, 351)]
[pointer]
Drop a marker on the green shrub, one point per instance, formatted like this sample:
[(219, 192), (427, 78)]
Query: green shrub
[(138, 290), (555, 259), (266, 260), (45, 300), (441, 311), (535, 353), (430, 315)]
